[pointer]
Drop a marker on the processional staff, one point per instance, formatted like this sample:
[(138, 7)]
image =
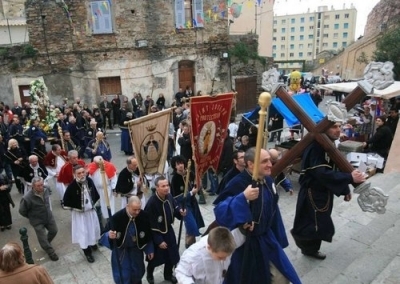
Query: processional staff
[(264, 101)]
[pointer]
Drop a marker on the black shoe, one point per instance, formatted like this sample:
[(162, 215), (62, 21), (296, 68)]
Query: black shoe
[(150, 279), (95, 247), (171, 279), (90, 258), (53, 257), (8, 227), (317, 255), (2, 229)]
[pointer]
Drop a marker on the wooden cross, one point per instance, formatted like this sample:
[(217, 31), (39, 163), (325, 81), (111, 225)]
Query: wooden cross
[(315, 132)]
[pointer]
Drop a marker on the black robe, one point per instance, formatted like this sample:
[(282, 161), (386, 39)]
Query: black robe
[(162, 213), (120, 222), (73, 197), (28, 173), (320, 180)]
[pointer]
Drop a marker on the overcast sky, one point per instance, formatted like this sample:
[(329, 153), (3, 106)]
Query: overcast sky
[(363, 7)]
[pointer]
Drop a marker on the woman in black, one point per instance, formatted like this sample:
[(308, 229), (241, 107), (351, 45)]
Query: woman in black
[(5, 202), (160, 102), (382, 140), (17, 159)]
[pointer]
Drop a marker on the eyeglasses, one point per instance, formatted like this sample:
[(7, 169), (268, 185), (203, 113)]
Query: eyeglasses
[(241, 157)]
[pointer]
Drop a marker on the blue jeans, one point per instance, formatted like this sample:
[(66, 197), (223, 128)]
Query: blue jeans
[(213, 177)]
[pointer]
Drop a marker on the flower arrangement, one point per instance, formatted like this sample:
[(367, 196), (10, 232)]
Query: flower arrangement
[(40, 106)]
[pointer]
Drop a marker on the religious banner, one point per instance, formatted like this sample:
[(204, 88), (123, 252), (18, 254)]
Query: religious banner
[(149, 135), (209, 117)]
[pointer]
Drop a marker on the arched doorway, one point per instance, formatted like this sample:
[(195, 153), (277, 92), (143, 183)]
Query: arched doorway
[(186, 74)]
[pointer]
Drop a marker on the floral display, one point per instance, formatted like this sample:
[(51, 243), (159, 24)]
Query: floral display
[(40, 106)]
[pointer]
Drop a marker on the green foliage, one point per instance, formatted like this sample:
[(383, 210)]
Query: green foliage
[(29, 50), (3, 52), (243, 52), (388, 49)]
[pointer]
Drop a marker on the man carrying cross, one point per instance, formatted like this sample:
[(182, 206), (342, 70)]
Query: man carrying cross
[(319, 183)]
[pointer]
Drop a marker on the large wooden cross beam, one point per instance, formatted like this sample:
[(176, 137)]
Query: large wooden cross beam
[(315, 132)]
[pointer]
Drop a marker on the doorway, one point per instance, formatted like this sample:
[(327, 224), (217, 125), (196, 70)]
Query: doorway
[(186, 74), (24, 94)]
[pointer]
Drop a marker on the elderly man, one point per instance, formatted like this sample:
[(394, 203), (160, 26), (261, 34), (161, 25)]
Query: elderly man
[(54, 161), (80, 197), (66, 174), (129, 235), (162, 210), (35, 205), (35, 169), (99, 147), (129, 182)]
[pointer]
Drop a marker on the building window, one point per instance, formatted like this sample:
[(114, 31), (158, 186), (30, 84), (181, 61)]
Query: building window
[(309, 45), (283, 38), (317, 51), (274, 30), (292, 29), (326, 26), (301, 29), (302, 20), (293, 20), (344, 44), (291, 38), (311, 19), (309, 54), (283, 30), (102, 18), (274, 55), (189, 14), (301, 37), (310, 36), (337, 16), (335, 35), (346, 25), (291, 54), (336, 26), (326, 17), (326, 35), (345, 35), (283, 46), (325, 44), (274, 47), (282, 55), (301, 46), (292, 46), (300, 54), (283, 21), (275, 22), (335, 45), (274, 38), (346, 16), (311, 27)]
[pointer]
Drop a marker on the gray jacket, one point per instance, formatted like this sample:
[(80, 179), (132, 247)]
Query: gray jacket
[(36, 208)]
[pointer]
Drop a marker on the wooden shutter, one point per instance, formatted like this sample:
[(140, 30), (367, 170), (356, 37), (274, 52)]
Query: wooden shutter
[(101, 16), (180, 14), (198, 14)]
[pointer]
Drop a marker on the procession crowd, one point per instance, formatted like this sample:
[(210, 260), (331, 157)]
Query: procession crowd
[(246, 242)]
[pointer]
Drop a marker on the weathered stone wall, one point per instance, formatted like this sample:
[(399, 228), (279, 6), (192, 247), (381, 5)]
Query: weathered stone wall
[(385, 12), (12, 9), (71, 59)]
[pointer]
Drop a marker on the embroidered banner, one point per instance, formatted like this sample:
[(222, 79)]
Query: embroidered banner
[(149, 135), (209, 116)]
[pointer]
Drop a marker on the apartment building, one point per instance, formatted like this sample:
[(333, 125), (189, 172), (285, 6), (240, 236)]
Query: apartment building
[(303, 36)]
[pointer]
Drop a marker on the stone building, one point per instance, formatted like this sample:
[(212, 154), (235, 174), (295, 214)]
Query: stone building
[(88, 48)]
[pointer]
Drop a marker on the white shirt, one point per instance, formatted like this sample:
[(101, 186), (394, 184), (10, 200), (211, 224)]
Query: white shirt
[(233, 129), (196, 265)]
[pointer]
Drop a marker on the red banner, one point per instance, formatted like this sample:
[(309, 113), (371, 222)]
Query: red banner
[(209, 117)]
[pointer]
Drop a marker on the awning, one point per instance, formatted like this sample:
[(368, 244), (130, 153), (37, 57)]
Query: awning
[(390, 92), (304, 101)]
